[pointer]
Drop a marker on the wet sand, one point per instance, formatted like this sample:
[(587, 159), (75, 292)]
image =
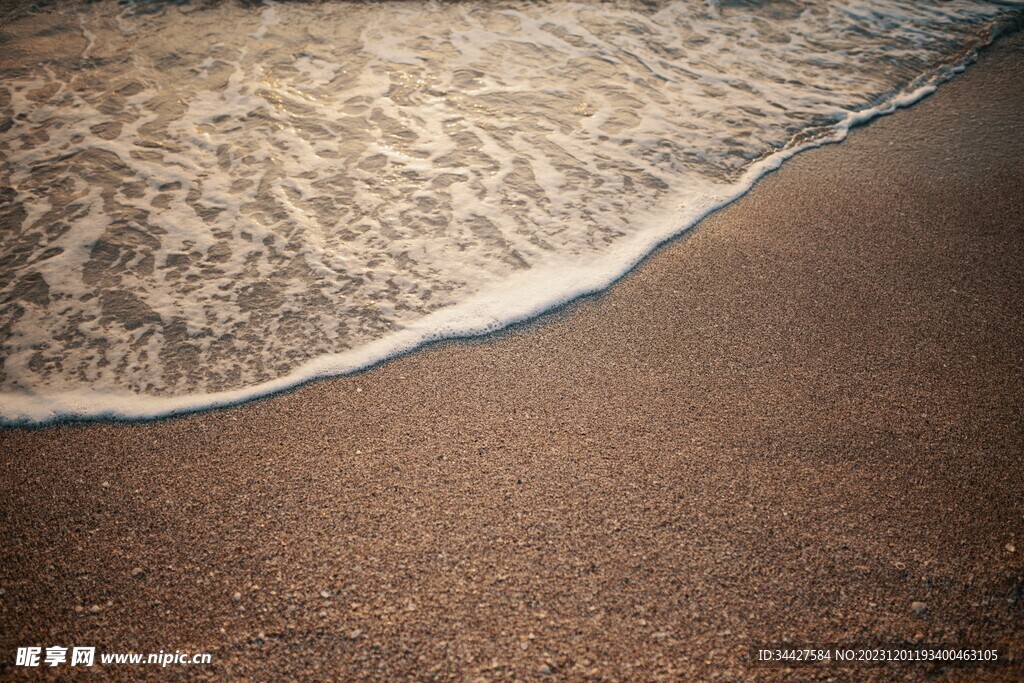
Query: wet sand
[(789, 426)]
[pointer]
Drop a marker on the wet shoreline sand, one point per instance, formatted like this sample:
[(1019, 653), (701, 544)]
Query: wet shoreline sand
[(789, 426)]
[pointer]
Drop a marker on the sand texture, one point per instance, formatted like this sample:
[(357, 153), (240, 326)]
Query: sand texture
[(789, 426)]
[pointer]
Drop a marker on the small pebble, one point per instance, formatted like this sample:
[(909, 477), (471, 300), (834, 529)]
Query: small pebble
[(237, 597), (545, 670), (95, 609), (353, 635), (1010, 548), (137, 572), (325, 594), (919, 608)]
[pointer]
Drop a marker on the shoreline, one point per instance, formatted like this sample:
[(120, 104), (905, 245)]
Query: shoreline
[(473, 317), (789, 425)]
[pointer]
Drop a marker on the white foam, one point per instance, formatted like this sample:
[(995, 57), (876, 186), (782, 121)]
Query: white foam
[(517, 299), (267, 19), (376, 178)]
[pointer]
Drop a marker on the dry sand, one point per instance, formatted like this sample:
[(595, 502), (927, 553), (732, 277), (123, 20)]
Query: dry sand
[(789, 426)]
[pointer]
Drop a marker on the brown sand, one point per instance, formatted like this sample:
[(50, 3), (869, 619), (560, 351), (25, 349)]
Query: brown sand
[(788, 426)]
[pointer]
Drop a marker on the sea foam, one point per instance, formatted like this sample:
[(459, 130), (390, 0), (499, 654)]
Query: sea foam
[(206, 205)]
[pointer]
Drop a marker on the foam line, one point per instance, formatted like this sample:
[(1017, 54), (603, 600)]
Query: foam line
[(206, 206), (520, 298)]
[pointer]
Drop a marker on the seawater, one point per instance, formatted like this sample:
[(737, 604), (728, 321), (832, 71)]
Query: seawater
[(207, 202)]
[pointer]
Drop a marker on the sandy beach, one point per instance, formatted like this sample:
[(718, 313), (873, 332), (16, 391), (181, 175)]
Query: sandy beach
[(802, 423)]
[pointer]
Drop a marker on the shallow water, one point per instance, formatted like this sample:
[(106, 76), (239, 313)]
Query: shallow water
[(204, 199)]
